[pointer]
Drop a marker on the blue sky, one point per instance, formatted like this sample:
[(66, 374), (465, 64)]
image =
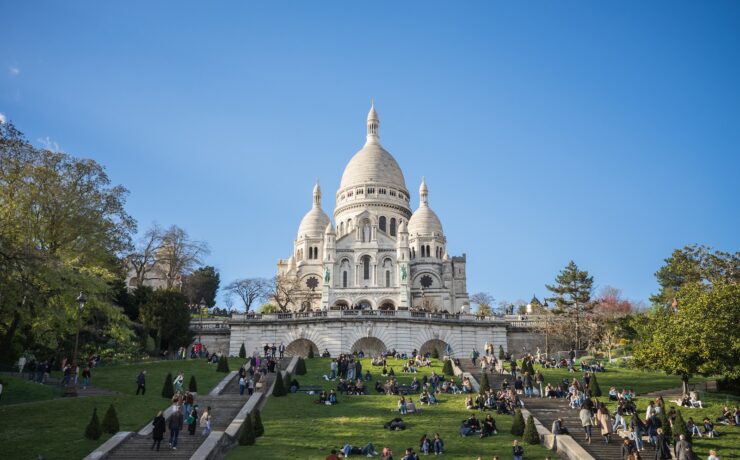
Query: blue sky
[(603, 132)]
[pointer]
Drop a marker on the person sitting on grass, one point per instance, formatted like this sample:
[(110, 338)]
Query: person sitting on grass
[(424, 444), (726, 418), (332, 455), (415, 385), (411, 407), (386, 454), (368, 450), (437, 444), (709, 428), (368, 376), (469, 402), (427, 398), (469, 426), (410, 454), (402, 405), (517, 451), (489, 427), (332, 398)]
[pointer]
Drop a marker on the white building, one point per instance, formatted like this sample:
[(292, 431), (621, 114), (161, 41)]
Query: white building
[(378, 254)]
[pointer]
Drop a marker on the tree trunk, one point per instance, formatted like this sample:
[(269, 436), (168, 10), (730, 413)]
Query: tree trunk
[(685, 384), (5, 343)]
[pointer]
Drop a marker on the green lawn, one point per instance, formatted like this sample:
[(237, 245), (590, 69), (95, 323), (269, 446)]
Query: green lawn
[(297, 428), (55, 428), (318, 367), (20, 390)]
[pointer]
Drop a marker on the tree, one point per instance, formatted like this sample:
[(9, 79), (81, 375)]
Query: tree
[(279, 388), (284, 290), (247, 436), (484, 385), (594, 390), (680, 428), (572, 296), (242, 351), (142, 259), (300, 368), (223, 365), (530, 435), (193, 385), (484, 301), (179, 255), (168, 390), (268, 308), (110, 421), (665, 424), (93, 430), (259, 428), (202, 284), (166, 315), (517, 425), (249, 290), (447, 368)]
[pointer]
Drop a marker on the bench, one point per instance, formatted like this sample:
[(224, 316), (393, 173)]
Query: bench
[(309, 388)]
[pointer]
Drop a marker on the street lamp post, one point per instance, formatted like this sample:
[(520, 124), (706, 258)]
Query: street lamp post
[(201, 306), (71, 389)]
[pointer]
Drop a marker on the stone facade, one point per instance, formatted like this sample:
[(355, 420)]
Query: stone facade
[(379, 255)]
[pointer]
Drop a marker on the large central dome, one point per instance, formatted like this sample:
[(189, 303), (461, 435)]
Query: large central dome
[(373, 164)]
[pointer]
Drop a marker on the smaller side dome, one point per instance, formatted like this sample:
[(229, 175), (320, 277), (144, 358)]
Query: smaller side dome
[(315, 221), (329, 229), (424, 221)]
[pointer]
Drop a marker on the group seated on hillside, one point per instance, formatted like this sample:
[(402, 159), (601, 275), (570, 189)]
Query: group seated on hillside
[(428, 398), (502, 401), (351, 387), (407, 406), (328, 399), (470, 426), (592, 366)]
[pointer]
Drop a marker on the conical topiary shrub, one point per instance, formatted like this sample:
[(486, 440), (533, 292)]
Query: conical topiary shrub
[(680, 428), (310, 353), (530, 432), (193, 385), (593, 387), (447, 368), (259, 428), (501, 354), (110, 421), (168, 391), (223, 365), (93, 430), (663, 418), (300, 367), (279, 388), (517, 425), (242, 352), (286, 381), (247, 437), (484, 385), (435, 353)]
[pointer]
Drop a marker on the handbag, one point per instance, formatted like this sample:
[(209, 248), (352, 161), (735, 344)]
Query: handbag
[(190, 420)]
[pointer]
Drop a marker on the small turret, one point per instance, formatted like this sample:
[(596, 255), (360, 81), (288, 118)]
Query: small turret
[(373, 125)]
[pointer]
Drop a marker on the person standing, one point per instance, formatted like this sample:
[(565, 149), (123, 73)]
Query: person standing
[(605, 423), (205, 421), (517, 451), (179, 381), (585, 415), (85, 377), (193, 419), (662, 449), (141, 383), (242, 385), (159, 429), (281, 350), (21, 364), (250, 387), (683, 449), (176, 422)]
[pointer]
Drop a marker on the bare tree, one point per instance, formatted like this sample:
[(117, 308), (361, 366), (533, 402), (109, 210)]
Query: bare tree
[(179, 254), (249, 290), (284, 291), (484, 301), (143, 258)]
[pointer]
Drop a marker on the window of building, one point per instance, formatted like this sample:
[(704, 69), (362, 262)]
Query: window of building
[(344, 279), (381, 223), (366, 267), (387, 278), (393, 193), (393, 226)]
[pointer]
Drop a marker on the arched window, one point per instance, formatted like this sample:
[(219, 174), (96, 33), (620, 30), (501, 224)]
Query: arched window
[(366, 267), (393, 226), (429, 252), (423, 251), (381, 223), (341, 228), (387, 278), (344, 279), (315, 252), (413, 253)]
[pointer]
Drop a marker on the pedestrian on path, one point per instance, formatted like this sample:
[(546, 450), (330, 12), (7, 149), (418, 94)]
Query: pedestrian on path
[(281, 350), (176, 422), (205, 421), (242, 385), (85, 378), (158, 431), (179, 381), (141, 383), (192, 420)]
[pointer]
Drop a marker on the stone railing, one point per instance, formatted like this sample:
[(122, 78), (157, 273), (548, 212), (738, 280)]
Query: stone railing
[(352, 314), (209, 324)]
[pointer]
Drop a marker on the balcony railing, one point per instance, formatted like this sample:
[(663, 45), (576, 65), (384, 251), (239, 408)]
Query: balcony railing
[(381, 314)]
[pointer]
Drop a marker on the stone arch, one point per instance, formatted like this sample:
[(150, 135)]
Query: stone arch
[(300, 347), (436, 335), (370, 346), (341, 304), (429, 345), (364, 304), (436, 280), (386, 304)]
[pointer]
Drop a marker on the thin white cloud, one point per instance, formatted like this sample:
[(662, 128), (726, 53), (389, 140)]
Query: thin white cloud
[(3, 118), (14, 71), (49, 144)]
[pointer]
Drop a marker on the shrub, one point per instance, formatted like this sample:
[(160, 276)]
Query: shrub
[(279, 388), (680, 428), (300, 368), (247, 437), (310, 353), (435, 353), (223, 365), (501, 354), (242, 352), (530, 432), (110, 421), (259, 428), (663, 418), (93, 430), (517, 426), (286, 381), (594, 390), (447, 368), (168, 391), (484, 385), (193, 385)]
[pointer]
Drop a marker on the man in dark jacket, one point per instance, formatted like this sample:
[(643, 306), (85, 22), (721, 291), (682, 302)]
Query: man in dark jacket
[(141, 383), (176, 422)]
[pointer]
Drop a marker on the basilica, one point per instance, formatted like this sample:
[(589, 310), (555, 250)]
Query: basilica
[(377, 254)]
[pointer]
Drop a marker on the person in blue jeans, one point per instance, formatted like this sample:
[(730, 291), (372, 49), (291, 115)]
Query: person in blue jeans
[(437, 444), (517, 450), (368, 450), (176, 422)]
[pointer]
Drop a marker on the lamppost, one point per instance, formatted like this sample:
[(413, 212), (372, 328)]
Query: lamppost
[(71, 389), (201, 306)]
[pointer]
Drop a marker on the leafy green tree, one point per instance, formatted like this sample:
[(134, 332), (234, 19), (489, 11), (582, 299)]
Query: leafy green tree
[(572, 297), (680, 428), (166, 314), (223, 365), (242, 352), (279, 388), (192, 385), (268, 308), (259, 428), (530, 435), (484, 385), (168, 390), (93, 430), (247, 436), (110, 421), (447, 368), (202, 284), (517, 425)]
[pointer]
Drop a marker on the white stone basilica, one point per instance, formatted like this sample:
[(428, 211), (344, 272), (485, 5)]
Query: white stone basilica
[(378, 255)]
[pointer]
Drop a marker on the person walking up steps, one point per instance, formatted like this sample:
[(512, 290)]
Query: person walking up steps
[(192, 420), (176, 422), (159, 428), (205, 421)]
